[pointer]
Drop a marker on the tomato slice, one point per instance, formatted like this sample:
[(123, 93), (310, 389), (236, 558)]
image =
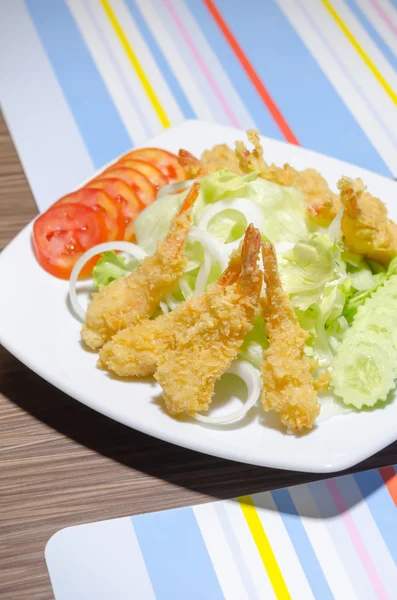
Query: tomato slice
[(125, 196), (101, 202), (165, 161), (63, 233), (140, 184), (154, 174)]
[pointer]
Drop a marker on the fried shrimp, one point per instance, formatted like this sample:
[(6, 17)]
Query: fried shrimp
[(365, 224), (288, 386), (135, 350), (207, 332), (322, 205), (128, 300), (191, 347)]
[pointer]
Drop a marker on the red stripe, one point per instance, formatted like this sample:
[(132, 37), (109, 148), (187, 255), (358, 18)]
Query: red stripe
[(251, 73), (389, 476)]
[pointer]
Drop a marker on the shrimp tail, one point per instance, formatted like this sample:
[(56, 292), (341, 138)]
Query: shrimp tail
[(188, 203), (190, 163), (250, 251), (270, 273)]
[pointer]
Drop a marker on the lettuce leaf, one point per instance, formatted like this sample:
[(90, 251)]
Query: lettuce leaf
[(111, 266), (308, 267), (284, 211), (226, 184)]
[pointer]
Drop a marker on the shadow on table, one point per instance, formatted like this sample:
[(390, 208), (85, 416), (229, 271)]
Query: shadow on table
[(204, 474)]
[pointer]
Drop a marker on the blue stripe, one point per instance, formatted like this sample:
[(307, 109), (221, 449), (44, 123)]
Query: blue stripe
[(149, 131), (367, 25), (340, 538), (232, 67), (176, 556), (304, 549), (162, 63), (192, 66), (304, 95), (90, 103), (382, 507)]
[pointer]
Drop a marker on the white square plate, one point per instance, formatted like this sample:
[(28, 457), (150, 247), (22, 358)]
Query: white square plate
[(37, 326)]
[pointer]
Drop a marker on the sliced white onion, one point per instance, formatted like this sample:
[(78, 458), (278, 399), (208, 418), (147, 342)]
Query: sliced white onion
[(210, 243), (253, 382), (169, 299), (203, 274), (250, 211), (214, 249), (185, 289), (175, 187), (129, 247), (164, 307)]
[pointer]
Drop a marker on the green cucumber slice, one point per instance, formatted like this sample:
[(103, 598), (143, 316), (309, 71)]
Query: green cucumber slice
[(364, 368)]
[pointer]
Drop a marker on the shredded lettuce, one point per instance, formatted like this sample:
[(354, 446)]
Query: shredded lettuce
[(326, 283), (111, 266), (283, 210)]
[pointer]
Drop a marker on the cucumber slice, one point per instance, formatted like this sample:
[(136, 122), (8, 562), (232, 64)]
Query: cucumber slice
[(382, 320), (364, 369)]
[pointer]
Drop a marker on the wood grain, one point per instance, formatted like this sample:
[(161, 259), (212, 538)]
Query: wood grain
[(62, 464)]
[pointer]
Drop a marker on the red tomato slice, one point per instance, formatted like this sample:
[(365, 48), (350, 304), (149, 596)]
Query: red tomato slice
[(165, 161), (103, 203), (126, 197), (63, 233), (154, 174), (141, 185)]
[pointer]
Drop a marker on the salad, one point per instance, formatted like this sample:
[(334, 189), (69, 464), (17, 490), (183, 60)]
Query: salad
[(339, 282)]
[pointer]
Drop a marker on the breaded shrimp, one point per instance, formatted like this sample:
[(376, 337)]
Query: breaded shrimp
[(192, 344), (207, 332), (128, 300), (288, 386), (365, 223), (135, 350)]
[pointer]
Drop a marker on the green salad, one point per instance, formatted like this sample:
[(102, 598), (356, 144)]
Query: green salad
[(347, 304)]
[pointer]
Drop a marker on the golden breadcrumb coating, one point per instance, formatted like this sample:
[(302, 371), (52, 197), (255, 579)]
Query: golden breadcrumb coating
[(288, 387), (128, 300), (206, 333), (366, 227), (135, 350), (189, 348)]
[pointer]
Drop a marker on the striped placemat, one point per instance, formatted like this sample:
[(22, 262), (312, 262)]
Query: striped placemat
[(83, 81), (332, 539)]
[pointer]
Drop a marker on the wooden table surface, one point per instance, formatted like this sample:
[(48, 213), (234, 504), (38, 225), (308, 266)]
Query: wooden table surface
[(62, 463)]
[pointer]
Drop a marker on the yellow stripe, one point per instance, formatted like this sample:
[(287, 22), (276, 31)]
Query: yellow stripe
[(136, 64), (264, 548), (371, 66)]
